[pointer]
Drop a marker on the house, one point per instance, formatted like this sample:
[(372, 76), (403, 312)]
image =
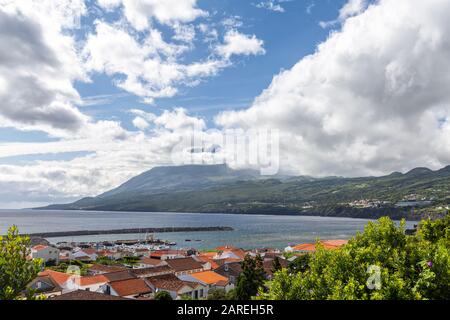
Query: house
[(268, 265), (141, 252), (119, 275), (85, 254), (60, 278), (167, 254), (45, 285), (311, 247), (230, 271), (229, 252), (207, 261), (46, 253), (96, 269), (176, 287), (89, 283), (183, 266), (110, 254), (85, 295), (209, 279), (130, 288), (153, 271), (145, 262), (71, 282)]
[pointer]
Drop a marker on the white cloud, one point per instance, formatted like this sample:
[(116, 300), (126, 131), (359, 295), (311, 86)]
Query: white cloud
[(350, 9), (236, 43), (140, 12), (140, 123), (371, 99), (184, 33), (271, 5), (148, 73), (39, 57)]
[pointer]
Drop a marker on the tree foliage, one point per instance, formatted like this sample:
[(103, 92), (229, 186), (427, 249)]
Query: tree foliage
[(217, 294), (380, 263), (251, 278), (163, 295), (16, 271)]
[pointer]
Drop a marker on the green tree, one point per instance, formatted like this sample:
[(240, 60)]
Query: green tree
[(380, 263), (163, 295), (217, 294), (251, 278), (300, 264), (276, 265), (16, 271)]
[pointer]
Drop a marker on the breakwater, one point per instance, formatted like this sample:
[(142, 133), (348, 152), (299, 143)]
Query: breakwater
[(126, 231)]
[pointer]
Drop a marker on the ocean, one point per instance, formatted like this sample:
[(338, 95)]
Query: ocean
[(250, 231)]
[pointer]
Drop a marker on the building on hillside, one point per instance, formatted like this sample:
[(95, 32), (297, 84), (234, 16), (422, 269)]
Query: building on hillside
[(145, 262), (183, 266), (46, 253), (119, 275), (46, 286), (177, 288), (96, 269), (85, 295), (130, 288), (311, 247), (209, 279), (230, 271), (153, 271)]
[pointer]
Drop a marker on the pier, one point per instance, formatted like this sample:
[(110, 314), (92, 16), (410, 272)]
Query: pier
[(126, 231)]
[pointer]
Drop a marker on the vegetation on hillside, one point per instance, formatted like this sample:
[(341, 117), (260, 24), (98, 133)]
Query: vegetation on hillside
[(210, 191), (382, 263), (16, 271)]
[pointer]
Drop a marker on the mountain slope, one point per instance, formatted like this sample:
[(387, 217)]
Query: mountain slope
[(221, 189)]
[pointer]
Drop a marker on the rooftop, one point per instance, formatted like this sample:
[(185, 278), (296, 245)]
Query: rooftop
[(130, 287)]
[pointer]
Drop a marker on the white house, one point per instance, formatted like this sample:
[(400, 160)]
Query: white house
[(46, 253)]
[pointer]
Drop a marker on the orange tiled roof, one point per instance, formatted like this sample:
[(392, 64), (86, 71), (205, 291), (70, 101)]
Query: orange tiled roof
[(327, 244), (130, 287), (39, 247), (59, 277), (226, 248), (87, 281), (205, 259), (210, 277)]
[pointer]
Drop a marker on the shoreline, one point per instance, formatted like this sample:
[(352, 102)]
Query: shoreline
[(58, 234), (284, 214)]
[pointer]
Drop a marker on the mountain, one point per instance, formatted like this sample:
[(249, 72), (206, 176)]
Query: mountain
[(181, 178), (218, 188)]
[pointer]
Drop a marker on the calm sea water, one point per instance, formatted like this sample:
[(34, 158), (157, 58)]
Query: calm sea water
[(250, 231)]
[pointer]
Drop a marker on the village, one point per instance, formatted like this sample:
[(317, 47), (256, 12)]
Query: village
[(135, 270)]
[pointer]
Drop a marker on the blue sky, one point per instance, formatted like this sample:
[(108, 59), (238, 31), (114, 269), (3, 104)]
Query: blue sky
[(287, 36), (93, 92)]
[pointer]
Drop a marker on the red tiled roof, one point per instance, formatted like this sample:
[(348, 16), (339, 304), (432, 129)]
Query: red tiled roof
[(90, 280), (150, 261), (130, 287), (105, 268), (169, 282), (39, 247), (59, 277), (327, 244), (184, 264), (85, 295), (210, 277)]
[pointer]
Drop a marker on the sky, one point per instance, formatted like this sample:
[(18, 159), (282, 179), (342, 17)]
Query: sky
[(93, 92)]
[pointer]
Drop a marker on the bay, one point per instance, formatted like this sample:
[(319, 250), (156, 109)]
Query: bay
[(250, 231)]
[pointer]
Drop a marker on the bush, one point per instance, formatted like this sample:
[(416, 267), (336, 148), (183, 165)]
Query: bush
[(407, 267), (163, 295)]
